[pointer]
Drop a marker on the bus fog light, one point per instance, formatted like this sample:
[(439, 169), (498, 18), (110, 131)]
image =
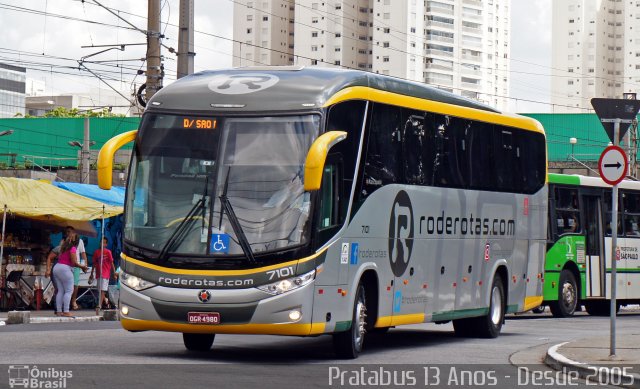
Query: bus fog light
[(124, 310), (295, 315)]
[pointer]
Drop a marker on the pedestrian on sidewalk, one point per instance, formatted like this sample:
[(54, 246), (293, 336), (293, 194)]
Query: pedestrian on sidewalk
[(82, 260), (103, 264), (63, 273), (52, 259)]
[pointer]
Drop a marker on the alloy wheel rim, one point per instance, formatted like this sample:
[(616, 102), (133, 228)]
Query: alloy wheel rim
[(496, 305), (568, 295), (361, 315)]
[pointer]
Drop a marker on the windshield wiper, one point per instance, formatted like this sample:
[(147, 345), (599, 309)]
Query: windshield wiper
[(235, 223), (179, 233)]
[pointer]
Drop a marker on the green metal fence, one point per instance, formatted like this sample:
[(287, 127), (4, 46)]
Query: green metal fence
[(591, 139), (44, 141)]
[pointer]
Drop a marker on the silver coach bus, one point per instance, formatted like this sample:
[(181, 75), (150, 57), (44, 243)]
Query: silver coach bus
[(309, 201)]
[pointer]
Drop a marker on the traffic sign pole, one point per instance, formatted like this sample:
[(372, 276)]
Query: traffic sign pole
[(614, 245), (619, 114)]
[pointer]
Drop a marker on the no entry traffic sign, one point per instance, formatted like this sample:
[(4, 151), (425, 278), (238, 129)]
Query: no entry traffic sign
[(613, 165)]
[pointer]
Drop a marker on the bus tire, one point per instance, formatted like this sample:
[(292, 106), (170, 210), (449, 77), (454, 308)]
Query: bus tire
[(567, 301), (348, 344), (489, 325), (198, 342)]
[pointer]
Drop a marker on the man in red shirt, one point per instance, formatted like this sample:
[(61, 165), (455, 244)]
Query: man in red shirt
[(103, 273)]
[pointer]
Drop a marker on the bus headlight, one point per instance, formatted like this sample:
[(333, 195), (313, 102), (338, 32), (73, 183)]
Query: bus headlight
[(135, 283), (288, 284)]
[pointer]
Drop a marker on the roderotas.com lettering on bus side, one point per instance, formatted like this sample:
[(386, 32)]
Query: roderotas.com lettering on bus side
[(456, 225)]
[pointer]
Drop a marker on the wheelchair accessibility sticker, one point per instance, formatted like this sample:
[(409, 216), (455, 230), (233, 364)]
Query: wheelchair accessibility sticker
[(219, 243)]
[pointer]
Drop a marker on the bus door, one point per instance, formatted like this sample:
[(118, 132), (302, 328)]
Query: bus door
[(595, 256)]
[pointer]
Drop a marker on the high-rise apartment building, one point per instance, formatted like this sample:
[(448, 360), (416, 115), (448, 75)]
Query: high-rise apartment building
[(596, 51), (457, 45)]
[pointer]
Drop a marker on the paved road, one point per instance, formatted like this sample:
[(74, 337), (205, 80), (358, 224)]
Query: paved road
[(150, 358)]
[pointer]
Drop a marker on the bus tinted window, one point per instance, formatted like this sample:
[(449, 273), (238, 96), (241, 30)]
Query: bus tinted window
[(418, 156), (631, 205), (423, 148), (479, 139), (383, 163)]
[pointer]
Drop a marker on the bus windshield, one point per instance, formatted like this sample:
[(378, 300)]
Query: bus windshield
[(219, 186)]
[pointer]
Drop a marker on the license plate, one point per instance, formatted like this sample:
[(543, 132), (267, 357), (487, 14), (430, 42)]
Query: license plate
[(203, 317)]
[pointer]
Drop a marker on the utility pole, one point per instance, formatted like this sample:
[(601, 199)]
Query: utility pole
[(185, 39), (154, 60), (86, 153)]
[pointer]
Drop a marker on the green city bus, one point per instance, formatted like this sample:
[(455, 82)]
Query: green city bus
[(578, 262)]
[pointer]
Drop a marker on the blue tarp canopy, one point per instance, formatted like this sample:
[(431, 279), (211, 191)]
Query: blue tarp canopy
[(115, 196)]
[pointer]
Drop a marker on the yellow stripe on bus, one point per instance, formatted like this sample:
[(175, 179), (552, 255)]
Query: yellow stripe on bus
[(219, 272), (299, 329), (366, 93), (398, 320), (532, 302)]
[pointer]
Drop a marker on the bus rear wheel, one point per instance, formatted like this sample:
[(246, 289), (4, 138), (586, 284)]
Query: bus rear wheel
[(348, 344), (487, 326), (567, 301), (198, 342)]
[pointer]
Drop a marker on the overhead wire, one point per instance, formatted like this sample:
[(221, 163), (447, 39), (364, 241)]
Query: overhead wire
[(23, 9)]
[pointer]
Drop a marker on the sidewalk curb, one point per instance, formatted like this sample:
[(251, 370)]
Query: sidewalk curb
[(24, 317), (58, 319), (595, 374)]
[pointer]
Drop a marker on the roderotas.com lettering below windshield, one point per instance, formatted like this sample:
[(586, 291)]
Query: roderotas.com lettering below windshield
[(471, 225)]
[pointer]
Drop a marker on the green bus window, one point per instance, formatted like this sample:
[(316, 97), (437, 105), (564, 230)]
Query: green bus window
[(607, 215), (631, 206), (567, 211)]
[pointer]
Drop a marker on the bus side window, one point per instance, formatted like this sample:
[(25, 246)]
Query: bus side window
[(479, 138), (331, 214), (631, 207), (448, 168), (383, 162), (416, 167), (607, 214), (505, 158), (567, 211)]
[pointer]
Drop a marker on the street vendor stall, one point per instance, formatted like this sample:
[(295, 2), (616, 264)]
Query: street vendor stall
[(30, 211)]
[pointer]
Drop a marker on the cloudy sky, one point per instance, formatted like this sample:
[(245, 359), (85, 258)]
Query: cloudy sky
[(47, 36)]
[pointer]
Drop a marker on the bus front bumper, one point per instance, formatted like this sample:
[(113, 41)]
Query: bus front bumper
[(241, 311)]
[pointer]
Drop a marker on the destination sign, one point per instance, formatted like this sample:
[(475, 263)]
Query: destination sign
[(199, 122)]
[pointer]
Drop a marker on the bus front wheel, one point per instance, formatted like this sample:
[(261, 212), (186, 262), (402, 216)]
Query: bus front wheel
[(348, 344), (567, 301), (198, 342)]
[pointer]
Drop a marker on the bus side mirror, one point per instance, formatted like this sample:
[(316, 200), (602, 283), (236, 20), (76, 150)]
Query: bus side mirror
[(317, 156), (105, 157)]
